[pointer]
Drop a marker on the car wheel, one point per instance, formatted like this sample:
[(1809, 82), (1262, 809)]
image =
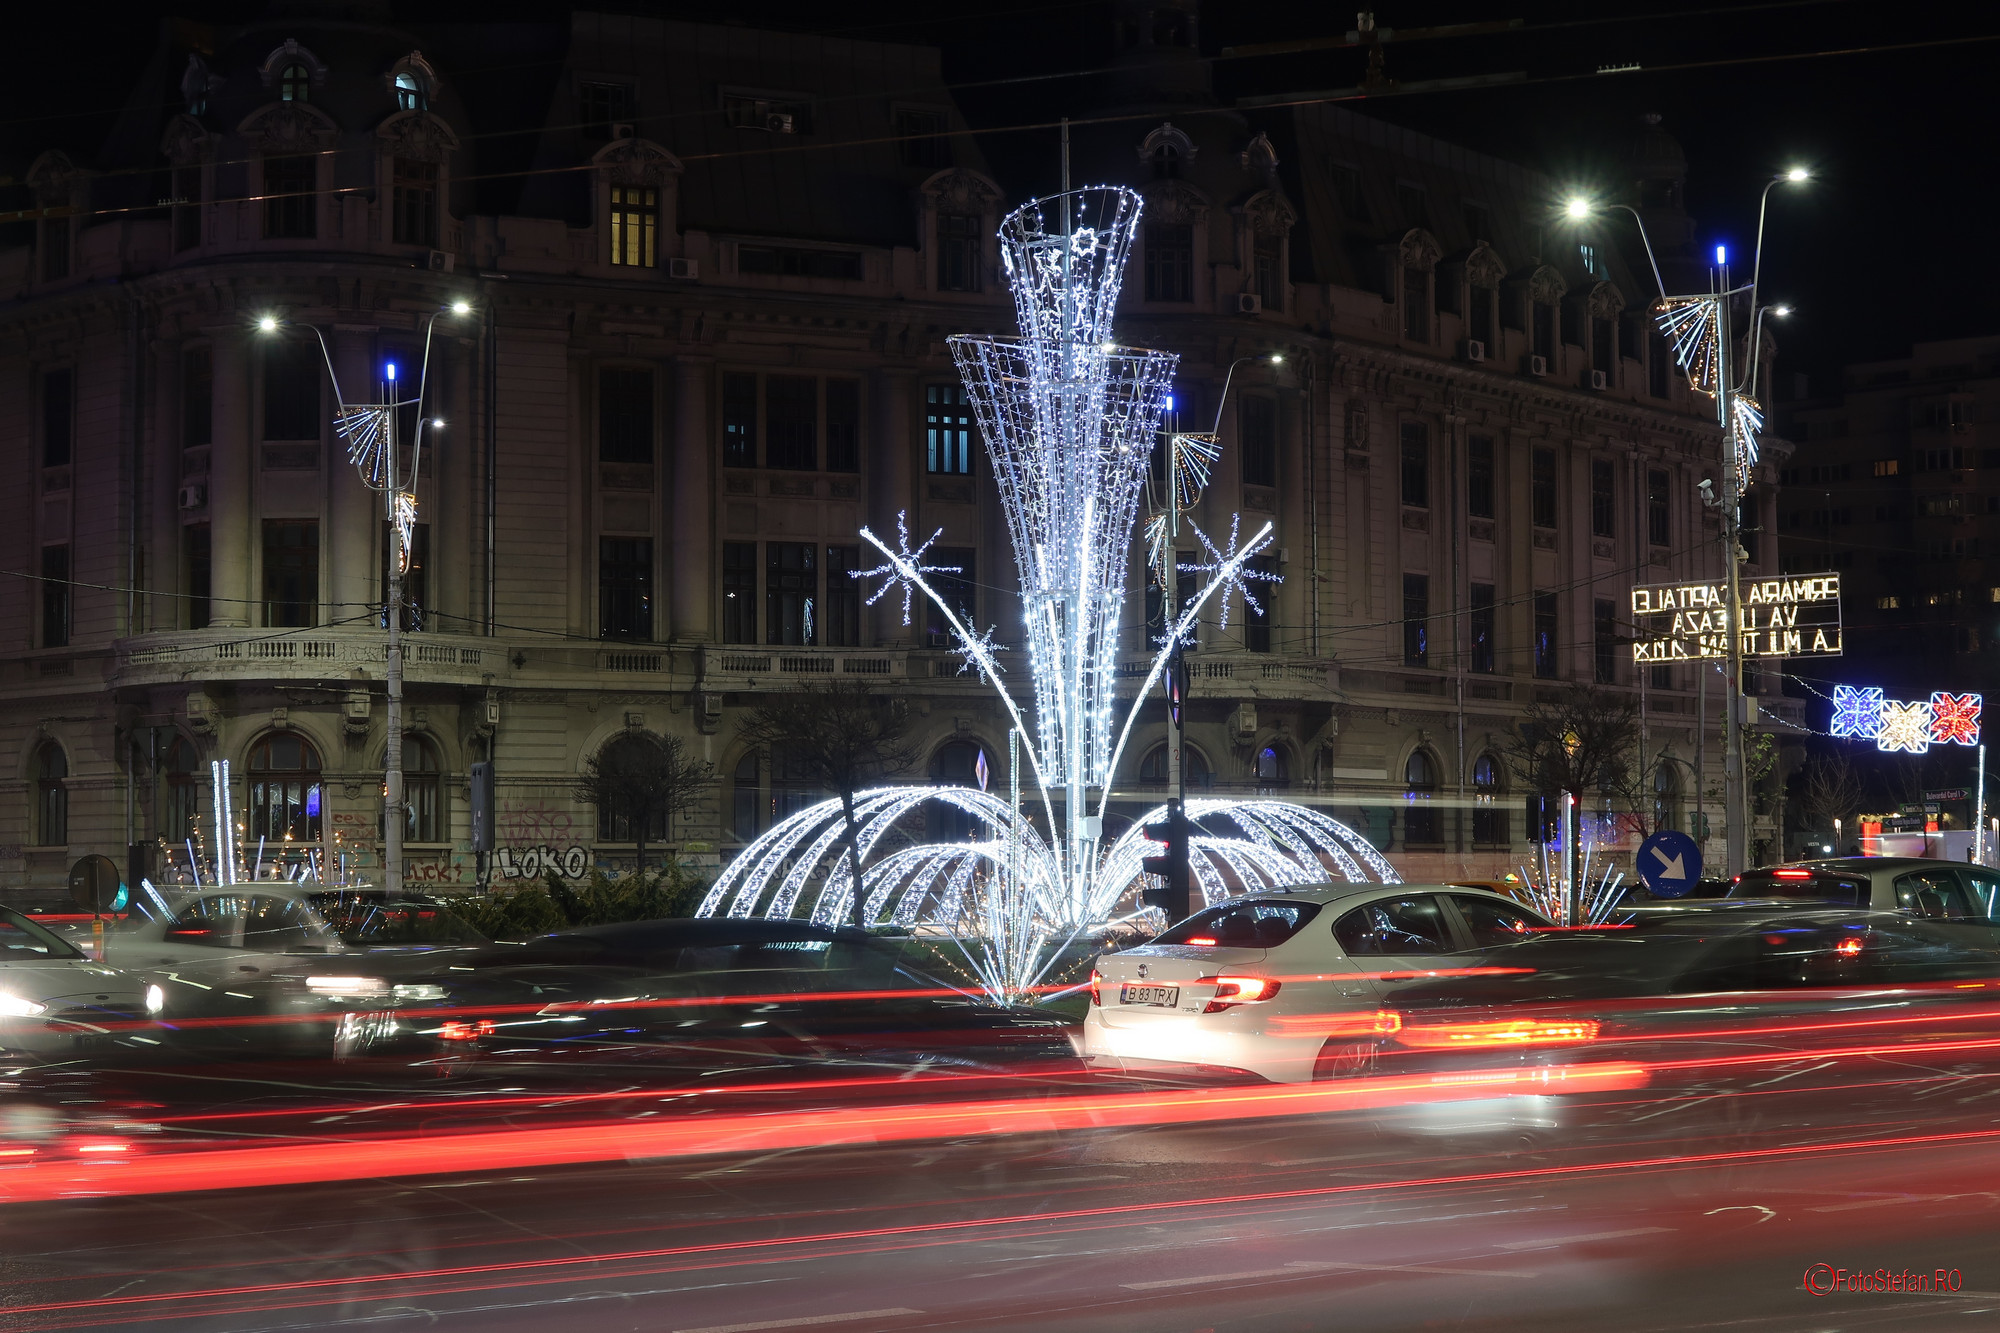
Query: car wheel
[(1341, 1058)]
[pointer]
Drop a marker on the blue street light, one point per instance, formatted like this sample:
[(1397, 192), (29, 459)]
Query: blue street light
[(392, 371), (1721, 258)]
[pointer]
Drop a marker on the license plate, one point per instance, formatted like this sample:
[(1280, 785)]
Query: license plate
[(1165, 997)]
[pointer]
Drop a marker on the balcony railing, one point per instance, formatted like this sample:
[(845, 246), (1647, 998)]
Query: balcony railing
[(178, 654)]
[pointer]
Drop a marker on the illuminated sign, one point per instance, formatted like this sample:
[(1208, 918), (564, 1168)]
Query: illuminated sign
[(1907, 728), (1784, 617)]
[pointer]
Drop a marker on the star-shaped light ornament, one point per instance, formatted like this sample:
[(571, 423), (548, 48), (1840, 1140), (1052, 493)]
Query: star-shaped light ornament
[(364, 429), (1228, 567), (1693, 327), (406, 526), (1857, 714), (1955, 718), (1190, 460), (905, 567), (1746, 422), (1905, 727)]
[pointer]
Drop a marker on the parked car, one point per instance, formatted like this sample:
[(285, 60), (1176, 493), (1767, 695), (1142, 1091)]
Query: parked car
[(1941, 890), (1286, 985), (55, 1002), (715, 995), (236, 955)]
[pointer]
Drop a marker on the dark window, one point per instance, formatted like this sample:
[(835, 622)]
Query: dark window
[(1268, 271), (602, 105), (416, 577), (1657, 514), (291, 390), (197, 397), (1489, 817), (1603, 510), (1478, 222), (1545, 635), (1169, 261), (51, 795), (841, 624), (1545, 332), (180, 812), (1482, 628), (1194, 769), (1413, 925), (294, 85), (1347, 189), (746, 797), (187, 208), (624, 416), (843, 425), (1662, 677), (1479, 476), (1479, 323), (739, 420), (290, 198), (1544, 488), (423, 792), (1604, 640), (1659, 363), (416, 201), (625, 588), (1416, 616), (948, 429), (920, 135), (739, 592), (291, 573), (958, 252), (55, 249), (1416, 464), (55, 596), (775, 115), (1251, 924), (58, 417), (635, 227), (792, 262), (791, 593), (791, 422), (1423, 822), (284, 777), (1257, 618), (1495, 923), (955, 583), (1260, 441), (624, 819), (1416, 305), (194, 545), (1603, 351), (1414, 204)]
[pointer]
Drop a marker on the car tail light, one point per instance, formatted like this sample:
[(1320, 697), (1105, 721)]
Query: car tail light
[(1501, 1033), (469, 1030), (1096, 987), (1206, 940), (1791, 874), (1850, 947), (1232, 991), (1387, 1022)]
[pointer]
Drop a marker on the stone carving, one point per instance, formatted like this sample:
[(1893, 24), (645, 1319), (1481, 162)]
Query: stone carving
[(1419, 249), (1175, 203), (1258, 156), (636, 162), (186, 142), (283, 128), (1484, 266), (1605, 301), (1270, 213), (418, 135), (957, 190), (1546, 285)]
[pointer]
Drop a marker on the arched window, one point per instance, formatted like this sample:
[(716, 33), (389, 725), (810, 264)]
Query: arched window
[(1490, 824), (284, 789), (423, 791), (411, 95), (51, 795), (1422, 822), (744, 785), (1194, 765), (1273, 768), (629, 804), (293, 83), (957, 764), (180, 812), (792, 786), (1166, 162)]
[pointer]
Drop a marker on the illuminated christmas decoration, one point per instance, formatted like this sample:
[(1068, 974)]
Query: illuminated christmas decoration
[(1069, 420), (1955, 719), (1692, 325), (1905, 727), (1857, 714)]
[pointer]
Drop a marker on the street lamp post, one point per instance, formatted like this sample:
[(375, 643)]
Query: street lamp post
[(1708, 337), (370, 432)]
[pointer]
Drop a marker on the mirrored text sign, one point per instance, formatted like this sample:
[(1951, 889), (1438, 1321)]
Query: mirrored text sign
[(1782, 617)]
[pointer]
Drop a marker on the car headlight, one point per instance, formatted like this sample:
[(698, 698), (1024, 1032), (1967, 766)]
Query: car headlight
[(408, 993), (13, 1006), (156, 999), (346, 987)]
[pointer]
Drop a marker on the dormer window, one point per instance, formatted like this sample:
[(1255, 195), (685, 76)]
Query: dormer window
[(293, 83), (411, 94), (1166, 163)]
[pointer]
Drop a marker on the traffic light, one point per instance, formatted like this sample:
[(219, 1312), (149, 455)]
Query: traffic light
[(1171, 865)]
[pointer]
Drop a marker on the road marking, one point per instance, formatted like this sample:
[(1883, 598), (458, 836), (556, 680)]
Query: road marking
[(1566, 1240), (1878, 1203), (801, 1322), (1303, 1266)]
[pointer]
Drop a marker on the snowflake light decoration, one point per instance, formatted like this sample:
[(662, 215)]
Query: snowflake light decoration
[(1955, 719), (1857, 714), (904, 568), (1905, 727), (1227, 568)]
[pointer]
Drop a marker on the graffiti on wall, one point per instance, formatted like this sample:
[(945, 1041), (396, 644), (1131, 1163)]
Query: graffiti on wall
[(534, 862)]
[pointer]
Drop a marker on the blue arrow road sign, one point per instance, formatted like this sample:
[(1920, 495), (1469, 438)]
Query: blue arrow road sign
[(1670, 863)]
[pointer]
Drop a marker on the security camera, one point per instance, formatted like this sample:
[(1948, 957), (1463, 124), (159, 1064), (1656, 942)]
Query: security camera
[(1707, 488)]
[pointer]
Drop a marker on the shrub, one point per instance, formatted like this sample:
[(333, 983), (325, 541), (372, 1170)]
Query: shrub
[(556, 904)]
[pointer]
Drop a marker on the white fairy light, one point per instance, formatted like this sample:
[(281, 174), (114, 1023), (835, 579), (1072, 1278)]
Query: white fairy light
[(904, 567)]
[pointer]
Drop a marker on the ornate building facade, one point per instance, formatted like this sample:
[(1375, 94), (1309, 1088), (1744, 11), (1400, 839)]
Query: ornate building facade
[(710, 274)]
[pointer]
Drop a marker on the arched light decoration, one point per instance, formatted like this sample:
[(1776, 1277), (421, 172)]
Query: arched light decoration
[(1068, 418), (1909, 728)]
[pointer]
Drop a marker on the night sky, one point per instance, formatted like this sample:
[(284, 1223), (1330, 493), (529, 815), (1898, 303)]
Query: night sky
[(1887, 247)]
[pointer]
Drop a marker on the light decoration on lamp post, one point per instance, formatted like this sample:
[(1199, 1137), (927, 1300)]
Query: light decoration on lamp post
[(1069, 419)]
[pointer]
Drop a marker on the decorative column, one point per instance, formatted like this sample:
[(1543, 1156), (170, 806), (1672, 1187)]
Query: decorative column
[(353, 511), (691, 504), (452, 479), (890, 490), (230, 547), (164, 456)]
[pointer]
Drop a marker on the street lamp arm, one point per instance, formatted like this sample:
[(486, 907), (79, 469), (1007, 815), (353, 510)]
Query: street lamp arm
[(1647, 242)]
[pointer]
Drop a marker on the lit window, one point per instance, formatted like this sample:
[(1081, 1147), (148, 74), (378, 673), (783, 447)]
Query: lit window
[(292, 84), (410, 94), (948, 429), (1893, 602), (423, 791), (284, 778), (1888, 467), (635, 226)]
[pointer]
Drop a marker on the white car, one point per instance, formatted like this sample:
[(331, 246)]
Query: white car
[(1287, 985), (56, 1003)]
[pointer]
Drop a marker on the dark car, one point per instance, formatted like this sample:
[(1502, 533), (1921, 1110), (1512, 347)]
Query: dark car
[(1939, 890), (720, 994)]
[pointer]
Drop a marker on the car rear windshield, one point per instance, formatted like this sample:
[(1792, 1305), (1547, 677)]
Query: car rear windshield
[(1818, 886), (21, 940), (368, 922), (1255, 924)]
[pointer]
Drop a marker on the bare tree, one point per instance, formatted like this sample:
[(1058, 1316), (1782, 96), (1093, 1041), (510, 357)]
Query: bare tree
[(1832, 789), (644, 779), (1584, 741), (843, 739)]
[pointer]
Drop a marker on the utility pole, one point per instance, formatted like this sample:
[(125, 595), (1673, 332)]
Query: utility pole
[(392, 763), (1735, 790)]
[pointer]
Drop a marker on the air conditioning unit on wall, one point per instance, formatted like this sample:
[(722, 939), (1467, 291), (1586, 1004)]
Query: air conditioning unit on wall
[(442, 261), (684, 268), (1249, 303), (1538, 365), (779, 122), (1599, 380), (194, 495), (1475, 350)]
